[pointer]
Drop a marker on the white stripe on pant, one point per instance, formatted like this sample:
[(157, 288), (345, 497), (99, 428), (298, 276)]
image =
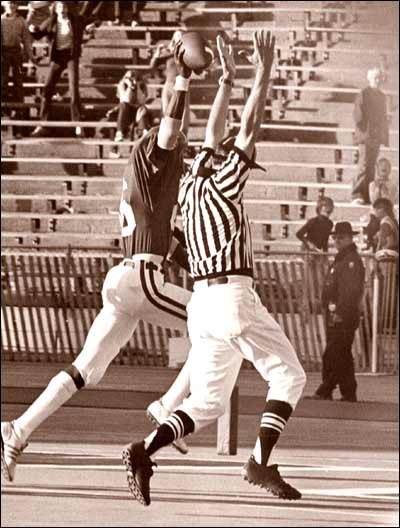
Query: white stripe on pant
[(124, 303)]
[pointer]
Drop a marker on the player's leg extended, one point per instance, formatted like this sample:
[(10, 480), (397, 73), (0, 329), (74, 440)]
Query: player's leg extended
[(110, 330), (210, 391), (267, 347), (165, 305)]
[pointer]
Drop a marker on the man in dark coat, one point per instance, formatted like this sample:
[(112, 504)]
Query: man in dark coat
[(341, 298)]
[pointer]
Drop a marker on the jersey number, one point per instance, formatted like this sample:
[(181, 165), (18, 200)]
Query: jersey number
[(127, 218)]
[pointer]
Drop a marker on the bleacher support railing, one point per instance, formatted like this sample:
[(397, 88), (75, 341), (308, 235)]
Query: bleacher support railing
[(49, 300)]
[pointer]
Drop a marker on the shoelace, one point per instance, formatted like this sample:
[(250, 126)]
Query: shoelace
[(148, 466), (12, 450)]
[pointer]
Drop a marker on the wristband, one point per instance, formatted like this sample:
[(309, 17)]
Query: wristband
[(181, 84), (223, 80)]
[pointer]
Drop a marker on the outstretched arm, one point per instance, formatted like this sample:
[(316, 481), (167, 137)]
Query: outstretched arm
[(215, 130), (171, 122), (253, 112)]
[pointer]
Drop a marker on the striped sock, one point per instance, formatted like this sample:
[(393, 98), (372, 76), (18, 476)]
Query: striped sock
[(273, 421), (176, 426)]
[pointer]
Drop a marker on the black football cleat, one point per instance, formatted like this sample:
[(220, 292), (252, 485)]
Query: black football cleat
[(268, 477), (139, 471)]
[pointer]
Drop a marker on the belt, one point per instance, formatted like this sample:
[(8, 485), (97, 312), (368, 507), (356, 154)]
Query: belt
[(217, 280), (148, 265), (225, 279)]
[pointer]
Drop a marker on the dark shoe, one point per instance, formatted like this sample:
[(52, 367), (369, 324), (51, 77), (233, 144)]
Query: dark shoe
[(318, 397), (39, 132), (11, 449), (268, 477), (139, 471), (349, 398)]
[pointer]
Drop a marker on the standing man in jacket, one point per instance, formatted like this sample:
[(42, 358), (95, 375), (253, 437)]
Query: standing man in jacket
[(15, 38), (371, 131), (342, 293)]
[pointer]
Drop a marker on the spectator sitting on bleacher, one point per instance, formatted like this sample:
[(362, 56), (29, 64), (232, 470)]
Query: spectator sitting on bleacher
[(65, 33), (371, 132), (131, 110), (91, 11), (379, 188), (314, 234), (38, 12), (96, 11), (133, 17), (14, 37)]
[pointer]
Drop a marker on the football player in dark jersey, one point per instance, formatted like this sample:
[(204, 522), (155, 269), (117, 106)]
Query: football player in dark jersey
[(136, 288)]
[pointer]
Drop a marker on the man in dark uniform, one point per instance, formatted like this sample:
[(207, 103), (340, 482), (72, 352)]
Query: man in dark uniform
[(136, 288), (341, 298)]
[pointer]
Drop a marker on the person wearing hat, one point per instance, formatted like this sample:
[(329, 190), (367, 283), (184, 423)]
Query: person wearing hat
[(342, 293)]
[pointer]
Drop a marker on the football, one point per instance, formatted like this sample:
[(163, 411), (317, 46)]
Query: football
[(198, 54)]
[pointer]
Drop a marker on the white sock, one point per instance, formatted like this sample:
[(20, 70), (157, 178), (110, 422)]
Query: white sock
[(178, 391), (58, 391), (257, 451), (149, 439)]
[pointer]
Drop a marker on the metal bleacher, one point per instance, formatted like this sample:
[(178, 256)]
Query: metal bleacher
[(306, 141)]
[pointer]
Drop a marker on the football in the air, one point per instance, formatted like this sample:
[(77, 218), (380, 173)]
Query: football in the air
[(198, 54)]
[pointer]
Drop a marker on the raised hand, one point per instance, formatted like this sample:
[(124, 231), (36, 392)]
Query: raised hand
[(227, 58), (160, 50), (183, 70), (263, 54)]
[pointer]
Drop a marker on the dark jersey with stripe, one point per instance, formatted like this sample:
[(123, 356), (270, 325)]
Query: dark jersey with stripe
[(149, 196)]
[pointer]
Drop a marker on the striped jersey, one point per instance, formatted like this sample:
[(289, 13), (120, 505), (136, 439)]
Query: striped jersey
[(216, 226), (149, 196)]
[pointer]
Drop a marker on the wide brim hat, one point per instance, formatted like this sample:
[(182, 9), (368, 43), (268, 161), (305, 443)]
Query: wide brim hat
[(344, 228)]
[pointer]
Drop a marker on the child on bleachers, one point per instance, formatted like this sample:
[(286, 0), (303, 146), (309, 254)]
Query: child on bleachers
[(314, 234)]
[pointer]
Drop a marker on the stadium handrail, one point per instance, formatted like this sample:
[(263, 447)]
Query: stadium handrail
[(95, 124), (266, 164), (260, 144)]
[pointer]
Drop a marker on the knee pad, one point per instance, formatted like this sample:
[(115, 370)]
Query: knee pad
[(216, 408), (76, 376)]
